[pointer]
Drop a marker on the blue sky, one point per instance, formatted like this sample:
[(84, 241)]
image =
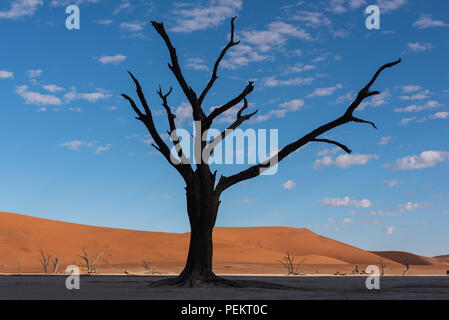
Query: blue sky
[(72, 150)]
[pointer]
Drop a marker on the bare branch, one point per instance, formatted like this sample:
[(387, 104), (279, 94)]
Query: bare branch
[(217, 111), (254, 171), (345, 148), (214, 77), (190, 94), (171, 121), (240, 119), (147, 120)]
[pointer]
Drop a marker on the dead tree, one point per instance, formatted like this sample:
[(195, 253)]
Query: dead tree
[(383, 267), (407, 269), (45, 261), (203, 189), (90, 261), (288, 262), (55, 263)]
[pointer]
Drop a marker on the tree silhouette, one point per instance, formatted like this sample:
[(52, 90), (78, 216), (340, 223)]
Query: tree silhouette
[(203, 191)]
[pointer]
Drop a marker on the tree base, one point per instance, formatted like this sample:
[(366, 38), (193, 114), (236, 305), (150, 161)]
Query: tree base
[(211, 280)]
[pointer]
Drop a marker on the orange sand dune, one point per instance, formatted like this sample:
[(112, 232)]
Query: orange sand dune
[(444, 258), (246, 250), (409, 258)]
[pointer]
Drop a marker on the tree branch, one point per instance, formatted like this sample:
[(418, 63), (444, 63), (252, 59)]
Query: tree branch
[(147, 120), (171, 121), (254, 171), (240, 119), (342, 146), (190, 94), (214, 77), (218, 111)]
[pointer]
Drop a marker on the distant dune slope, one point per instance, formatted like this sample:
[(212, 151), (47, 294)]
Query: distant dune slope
[(21, 238), (409, 258), (444, 258)]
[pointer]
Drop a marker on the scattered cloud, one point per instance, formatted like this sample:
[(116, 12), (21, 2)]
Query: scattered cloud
[(432, 104), (320, 92), (197, 64), (411, 206), (383, 213), (346, 202), (115, 59), (389, 230), (289, 185), (102, 149), (419, 46), (21, 8), (393, 183), (6, 74), (52, 88), (344, 160), (36, 98), (75, 145), (197, 17), (384, 140), (425, 21), (426, 159), (34, 73)]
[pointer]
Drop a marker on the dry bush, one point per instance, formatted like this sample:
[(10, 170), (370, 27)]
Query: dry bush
[(90, 262), (47, 262), (288, 263), (383, 267)]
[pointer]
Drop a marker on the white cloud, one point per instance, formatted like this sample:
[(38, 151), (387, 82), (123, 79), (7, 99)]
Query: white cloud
[(432, 104), (102, 149), (52, 88), (384, 140), (34, 73), (289, 185), (376, 101), (383, 213), (311, 18), (411, 88), (36, 98), (298, 81), (440, 115), (404, 121), (411, 206), (392, 183), (328, 152), (59, 3), (292, 105), (6, 74), (115, 59), (75, 145), (133, 26), (183, 112), (197, 64), (424, 160), (344, 160), (389, 230), (106, 22), (320, 92), (346, 202), (390, 5), (92, 97), (418, 46), (197, 17), (425, 21), (417, 96), (21, 8), (347, 221), (242, 55)]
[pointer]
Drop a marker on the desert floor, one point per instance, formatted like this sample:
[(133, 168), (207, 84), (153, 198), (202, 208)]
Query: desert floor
[(303, 287)]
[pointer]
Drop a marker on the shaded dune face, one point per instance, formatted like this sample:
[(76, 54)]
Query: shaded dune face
[(22, 237)]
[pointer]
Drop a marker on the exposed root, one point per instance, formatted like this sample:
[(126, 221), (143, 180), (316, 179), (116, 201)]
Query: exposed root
[(213, 281)]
